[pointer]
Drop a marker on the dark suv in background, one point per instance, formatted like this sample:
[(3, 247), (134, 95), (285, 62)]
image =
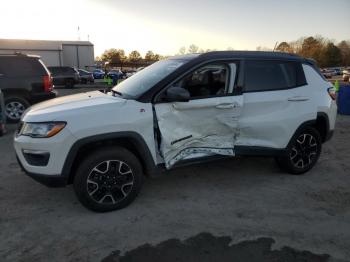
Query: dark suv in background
[(64, 75), (24, 80)]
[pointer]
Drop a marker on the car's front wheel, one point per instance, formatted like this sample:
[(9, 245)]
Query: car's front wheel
[(302, 152), (108, 179)]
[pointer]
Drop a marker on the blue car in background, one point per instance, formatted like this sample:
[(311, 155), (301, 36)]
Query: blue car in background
[(115, 73), (98, 74)]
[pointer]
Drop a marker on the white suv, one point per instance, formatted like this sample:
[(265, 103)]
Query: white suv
[(177, 111)]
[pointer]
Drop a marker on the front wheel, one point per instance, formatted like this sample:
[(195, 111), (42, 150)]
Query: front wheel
[(108, 179), (302, 152)]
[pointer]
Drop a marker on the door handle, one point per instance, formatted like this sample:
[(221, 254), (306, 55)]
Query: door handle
[(225, 106), (298, 98)]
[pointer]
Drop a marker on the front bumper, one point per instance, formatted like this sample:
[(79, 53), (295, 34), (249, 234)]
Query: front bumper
[(50, 181), (48, 171)]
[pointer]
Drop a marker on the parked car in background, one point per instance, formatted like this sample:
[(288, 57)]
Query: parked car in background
[(338, 71), (182, 110), (85, 76), (24, 80), (98, 73), (327, 73), (64, 75), (115, 73), (346, 75)]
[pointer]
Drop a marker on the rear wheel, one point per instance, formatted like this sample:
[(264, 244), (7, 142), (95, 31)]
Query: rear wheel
[(302, 152), (108, 179), (14, 108)]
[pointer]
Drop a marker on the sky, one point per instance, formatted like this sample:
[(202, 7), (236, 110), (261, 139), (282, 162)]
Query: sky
[(165, 26)]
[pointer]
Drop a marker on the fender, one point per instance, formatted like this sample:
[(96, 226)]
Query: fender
[(136, 139)]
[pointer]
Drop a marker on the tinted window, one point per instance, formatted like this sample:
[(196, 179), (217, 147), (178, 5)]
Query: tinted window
[(20, 66), (209, 80), (273, 75), (54, 70)]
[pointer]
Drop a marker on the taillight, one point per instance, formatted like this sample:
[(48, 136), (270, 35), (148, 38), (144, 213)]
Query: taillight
[(332, 93), (48, 86)]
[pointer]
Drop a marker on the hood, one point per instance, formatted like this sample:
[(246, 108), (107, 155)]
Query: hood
[(56, 108)]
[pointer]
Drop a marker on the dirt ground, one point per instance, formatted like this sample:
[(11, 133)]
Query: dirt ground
[(247, 203)]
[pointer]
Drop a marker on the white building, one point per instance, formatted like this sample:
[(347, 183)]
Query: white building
[(78, 54)]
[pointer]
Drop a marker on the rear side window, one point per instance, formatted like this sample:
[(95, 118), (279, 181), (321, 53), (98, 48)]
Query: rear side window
[(273, 75), (20, 66)]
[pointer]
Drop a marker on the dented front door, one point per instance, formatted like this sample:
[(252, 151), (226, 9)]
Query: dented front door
[(198, 128)]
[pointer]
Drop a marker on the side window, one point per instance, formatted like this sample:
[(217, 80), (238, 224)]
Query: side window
[(206, 81), (273, 75), (18, 66)]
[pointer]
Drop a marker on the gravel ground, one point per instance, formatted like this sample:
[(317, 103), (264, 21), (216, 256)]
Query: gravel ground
[(243, 199)]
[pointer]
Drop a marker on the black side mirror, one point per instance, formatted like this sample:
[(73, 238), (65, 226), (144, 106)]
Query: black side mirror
[(177, 94)]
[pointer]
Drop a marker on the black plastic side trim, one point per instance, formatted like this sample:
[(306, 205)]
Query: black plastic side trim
[(258, 151), (325, 117), (135, 138)]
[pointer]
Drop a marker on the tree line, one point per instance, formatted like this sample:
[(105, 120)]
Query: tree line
[(118, 56), (324, 51)]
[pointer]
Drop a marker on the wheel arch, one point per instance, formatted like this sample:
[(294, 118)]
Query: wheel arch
[(18, 92), (321, 124), (129, 140)]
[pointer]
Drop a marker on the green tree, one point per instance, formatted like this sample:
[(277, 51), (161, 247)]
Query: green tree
[(182, 51), (113, 55), (344, 47), (134, 56), (312, 47), (193, 49), (284, 47), (149, 56), (330, 56)]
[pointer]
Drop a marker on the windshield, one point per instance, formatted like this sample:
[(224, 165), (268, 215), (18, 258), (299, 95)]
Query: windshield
[(145, 79)]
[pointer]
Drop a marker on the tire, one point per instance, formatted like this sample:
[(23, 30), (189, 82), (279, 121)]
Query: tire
[(14, 108), (69, 83), (100, 188), (302, 152)]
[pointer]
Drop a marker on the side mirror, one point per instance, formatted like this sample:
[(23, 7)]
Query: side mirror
[(177, 94)]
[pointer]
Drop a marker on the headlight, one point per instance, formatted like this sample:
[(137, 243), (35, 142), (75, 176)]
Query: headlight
[(41, 130)]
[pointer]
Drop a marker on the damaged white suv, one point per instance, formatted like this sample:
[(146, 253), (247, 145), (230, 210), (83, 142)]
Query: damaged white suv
[(180, 110)]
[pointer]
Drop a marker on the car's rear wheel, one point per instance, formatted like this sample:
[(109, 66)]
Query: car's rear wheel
[(302, 152), (108, 179), (14, 108)]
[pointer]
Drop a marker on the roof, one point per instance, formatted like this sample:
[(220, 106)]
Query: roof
[(241, 54), (21, 44), (19, 55)]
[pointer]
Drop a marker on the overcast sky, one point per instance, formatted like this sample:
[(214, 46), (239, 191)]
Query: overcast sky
[(164, 26)]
